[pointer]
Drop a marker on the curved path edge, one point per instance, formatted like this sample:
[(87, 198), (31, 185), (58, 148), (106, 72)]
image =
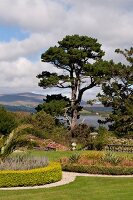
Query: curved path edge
[(67, 177)]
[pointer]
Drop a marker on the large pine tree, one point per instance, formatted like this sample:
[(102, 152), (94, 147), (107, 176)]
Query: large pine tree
[(80, 58)]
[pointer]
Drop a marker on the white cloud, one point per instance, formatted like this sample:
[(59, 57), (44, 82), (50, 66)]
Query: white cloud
[(47, 21), (15, 49), (32, 15), (106, 20), (21, 74)]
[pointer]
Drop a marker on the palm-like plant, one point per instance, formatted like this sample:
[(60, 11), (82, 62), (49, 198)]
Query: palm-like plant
[(14, 139)]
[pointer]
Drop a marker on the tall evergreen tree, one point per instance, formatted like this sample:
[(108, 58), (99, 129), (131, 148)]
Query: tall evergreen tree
[(118, 93), (80, 58)]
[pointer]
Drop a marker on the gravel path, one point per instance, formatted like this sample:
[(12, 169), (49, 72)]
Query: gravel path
[(67, 177)]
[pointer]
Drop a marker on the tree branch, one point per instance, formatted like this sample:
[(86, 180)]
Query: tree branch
[(61, 67), (84, 89), (66, 115)]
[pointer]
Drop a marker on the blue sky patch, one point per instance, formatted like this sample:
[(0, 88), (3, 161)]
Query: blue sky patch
[(7, 33), (36, 56)]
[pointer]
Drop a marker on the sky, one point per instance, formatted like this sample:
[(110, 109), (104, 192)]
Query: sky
[(29, 27)]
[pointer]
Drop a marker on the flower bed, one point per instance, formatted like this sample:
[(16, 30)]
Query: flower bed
[(39, 176), (95, 162)]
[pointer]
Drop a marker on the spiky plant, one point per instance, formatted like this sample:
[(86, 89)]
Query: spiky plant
[(12, 141)]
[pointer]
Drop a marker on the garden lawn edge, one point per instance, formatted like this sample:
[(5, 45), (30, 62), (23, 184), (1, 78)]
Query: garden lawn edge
[(39, 176), (67, 177)]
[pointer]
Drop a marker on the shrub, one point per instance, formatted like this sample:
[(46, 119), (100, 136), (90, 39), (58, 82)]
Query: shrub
[(40, 176), (42, 120), (7, 121), (81, 134), (58, 134), (36, 132), (113, 170), (102, 138)]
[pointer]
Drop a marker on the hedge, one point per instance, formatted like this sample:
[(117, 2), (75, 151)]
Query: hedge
[(113, 170), (39, 176)]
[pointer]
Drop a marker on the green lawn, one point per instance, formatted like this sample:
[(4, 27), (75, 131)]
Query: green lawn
[(83, 188), (56, 155), (53, 155)]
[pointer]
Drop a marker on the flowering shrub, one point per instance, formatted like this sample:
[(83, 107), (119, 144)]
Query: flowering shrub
[(94, 155), (23, 162)]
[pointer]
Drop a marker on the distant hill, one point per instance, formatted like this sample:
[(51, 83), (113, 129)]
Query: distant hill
[(28, 101), (21, 99), (20, 108)]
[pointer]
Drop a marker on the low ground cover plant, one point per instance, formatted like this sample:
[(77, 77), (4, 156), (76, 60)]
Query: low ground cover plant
[(23, 162)]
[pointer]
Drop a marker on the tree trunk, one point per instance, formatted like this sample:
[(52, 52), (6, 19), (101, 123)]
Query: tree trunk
[(74, 103), (74, 111), (74, 119)]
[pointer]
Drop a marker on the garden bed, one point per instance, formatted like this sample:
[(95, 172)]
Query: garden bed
[(40, 176), (95, 162)]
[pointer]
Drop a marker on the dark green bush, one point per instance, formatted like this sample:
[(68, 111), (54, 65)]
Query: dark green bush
[(40, 176), (42, 120), (113, 170), (81, 134), (7, 121), (36, 132), (45, 127), (101, 139)]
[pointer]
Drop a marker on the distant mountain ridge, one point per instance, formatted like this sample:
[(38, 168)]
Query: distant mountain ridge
[(21, 99), (28, 101)]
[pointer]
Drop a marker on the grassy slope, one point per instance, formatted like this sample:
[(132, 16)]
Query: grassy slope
[(53, 155), (84, 188)]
